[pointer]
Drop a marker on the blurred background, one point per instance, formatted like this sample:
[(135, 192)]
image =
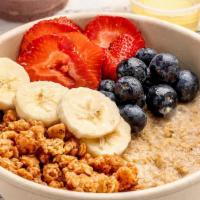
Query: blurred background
[(16, 12)]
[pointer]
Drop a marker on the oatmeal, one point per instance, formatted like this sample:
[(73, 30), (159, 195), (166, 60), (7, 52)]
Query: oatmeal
[(54, 157), (168, 149)]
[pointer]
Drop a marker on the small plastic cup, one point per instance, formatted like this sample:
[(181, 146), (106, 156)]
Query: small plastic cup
[(187, 17)]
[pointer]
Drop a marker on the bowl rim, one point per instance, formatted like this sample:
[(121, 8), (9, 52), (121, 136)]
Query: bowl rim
[(58, 194)]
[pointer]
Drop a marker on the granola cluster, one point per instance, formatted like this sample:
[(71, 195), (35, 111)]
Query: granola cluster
[(53, 157)]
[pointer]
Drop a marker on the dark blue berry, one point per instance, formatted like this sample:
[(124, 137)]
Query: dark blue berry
[(107, 85), (161, 99), (132, 67), (135, 116), (164, 68), (109, 95), (187, 85), (148, 82), (128, 89), (1, 115), (146, 55), (141, 102)]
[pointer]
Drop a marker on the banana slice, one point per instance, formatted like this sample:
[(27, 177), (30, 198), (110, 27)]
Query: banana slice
[(114, 143), (88, 113), (12, 75), (39, 100)]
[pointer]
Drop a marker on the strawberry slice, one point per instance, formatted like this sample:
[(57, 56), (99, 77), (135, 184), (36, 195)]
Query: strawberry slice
[(92, 54), (53, 26), (66, 21), (124, 47), (54, 58), (103, 30)]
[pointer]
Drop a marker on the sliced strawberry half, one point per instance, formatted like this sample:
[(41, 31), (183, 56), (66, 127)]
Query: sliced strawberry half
[(92, 54), (124, 47), (66, 21), (53, 26), (103, 30), (54, 58)]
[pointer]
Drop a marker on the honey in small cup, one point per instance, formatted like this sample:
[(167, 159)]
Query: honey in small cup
[(181, 12)]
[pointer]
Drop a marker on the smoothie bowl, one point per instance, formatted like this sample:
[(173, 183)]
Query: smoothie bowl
[(136, 138)]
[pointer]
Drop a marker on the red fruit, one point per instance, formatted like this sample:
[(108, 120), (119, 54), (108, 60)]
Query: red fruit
[(54, 58), (109, 66), (53, 26), (92, 54), (103, 30), (66, 21), (124, 47)]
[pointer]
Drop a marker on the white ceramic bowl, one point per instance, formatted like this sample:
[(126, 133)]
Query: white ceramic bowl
[(160, 35)]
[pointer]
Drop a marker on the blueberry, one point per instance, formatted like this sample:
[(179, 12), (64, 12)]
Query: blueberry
[(107, 85), (141, 102), (146, 55), (161, 99), (109, 95), (135, 116), (164, 68), (1, 115), (148, 82), (187, 85), (128, 88), (132, 67)]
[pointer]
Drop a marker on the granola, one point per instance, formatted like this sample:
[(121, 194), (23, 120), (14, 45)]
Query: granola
[(52, 156)]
